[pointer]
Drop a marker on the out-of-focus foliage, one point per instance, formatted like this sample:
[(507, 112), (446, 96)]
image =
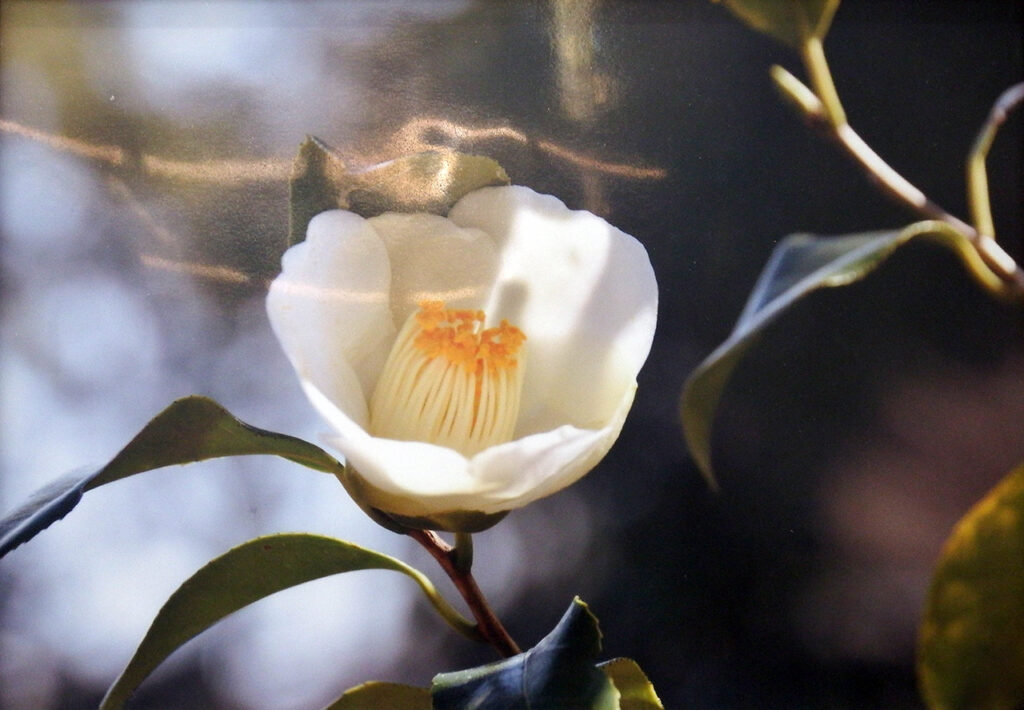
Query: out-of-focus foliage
[(430, 181), (971, 651)]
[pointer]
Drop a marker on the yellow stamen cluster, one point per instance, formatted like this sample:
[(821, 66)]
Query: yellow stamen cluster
[(449, 381)]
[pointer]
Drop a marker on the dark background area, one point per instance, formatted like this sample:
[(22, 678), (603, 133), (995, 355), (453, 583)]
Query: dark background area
[(846, 447)]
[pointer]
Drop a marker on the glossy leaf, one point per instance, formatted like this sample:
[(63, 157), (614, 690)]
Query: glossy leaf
[(245, 574), (971, 651), (379, 696), (635, 690), (558, 672), (190, 429), (799, 267), (789, 21), (430, 181)]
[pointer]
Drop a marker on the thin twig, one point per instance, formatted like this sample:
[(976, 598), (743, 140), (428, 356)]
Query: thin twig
[(488, 624), (977, 177)]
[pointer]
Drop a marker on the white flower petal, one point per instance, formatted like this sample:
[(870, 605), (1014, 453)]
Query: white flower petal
[(414, 479), (432, 258), (329, 308), (583, 292), (538, 465)]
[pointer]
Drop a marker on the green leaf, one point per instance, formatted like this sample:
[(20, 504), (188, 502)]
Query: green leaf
[(799, 267), (558, 672), (431, 181), (635, 690), (971, 652), (380, 696), (245, 574), (789, 21), (190, 429)]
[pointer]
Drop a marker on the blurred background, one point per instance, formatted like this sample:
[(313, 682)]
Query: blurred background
[(144, 156)]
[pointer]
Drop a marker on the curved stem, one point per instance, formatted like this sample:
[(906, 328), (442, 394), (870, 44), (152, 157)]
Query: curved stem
[(454, 619), (488, 626), (977, 178), (813, 52)]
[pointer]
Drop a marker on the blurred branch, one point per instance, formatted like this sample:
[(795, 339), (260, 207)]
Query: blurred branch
[(410, 138), (221, 172)]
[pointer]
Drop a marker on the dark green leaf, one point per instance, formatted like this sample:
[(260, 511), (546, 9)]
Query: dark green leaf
[(383, 696), (44, 507), (558, 672), (799, 267), (971, 651), (247, 573), (190, 429), (431, 181), (789, 21), (635, 690)]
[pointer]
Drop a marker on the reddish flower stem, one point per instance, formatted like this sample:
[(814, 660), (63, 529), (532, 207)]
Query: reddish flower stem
[(488, 625)]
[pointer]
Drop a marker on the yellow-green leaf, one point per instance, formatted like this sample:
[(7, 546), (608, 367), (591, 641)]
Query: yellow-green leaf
[(971, 653), (789, 21), (241, 576), (635, 690), (380, 696)]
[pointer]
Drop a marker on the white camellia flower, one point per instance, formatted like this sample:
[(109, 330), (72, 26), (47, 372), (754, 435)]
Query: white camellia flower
[(467, 365)]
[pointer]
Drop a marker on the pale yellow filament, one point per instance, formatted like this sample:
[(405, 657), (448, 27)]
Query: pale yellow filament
[(449, 381)]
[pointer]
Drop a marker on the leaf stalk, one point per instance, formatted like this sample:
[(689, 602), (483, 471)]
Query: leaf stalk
[(488, 627)]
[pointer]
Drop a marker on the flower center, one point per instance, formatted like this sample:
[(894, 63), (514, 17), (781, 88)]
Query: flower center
[(449, 381)]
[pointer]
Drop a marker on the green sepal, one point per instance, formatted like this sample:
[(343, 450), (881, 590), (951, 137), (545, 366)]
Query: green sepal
[(789, 21), (801, 266), (376, 695), (190, 429), (431, 181), (971, 646), (558, 672), (243, 575), (636, 692), (464, 521)]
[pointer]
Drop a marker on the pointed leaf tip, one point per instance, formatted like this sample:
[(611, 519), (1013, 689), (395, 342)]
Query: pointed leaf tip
[(558, 672), (43, 508)]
